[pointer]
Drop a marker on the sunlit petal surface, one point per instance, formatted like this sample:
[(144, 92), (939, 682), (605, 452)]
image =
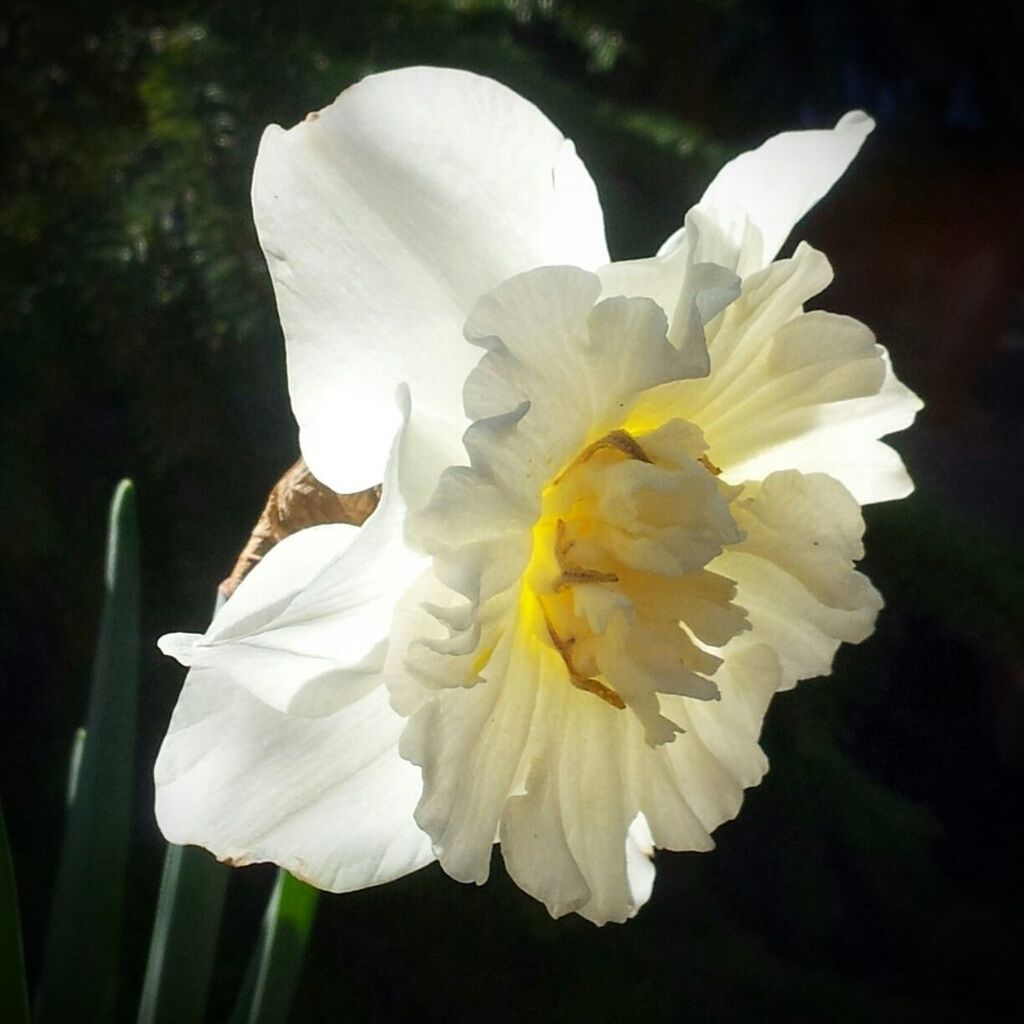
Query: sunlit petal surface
[(384, 217)]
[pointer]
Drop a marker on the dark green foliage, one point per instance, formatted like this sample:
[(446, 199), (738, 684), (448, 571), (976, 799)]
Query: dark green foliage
[(81, 963), (13, 993), (184, 940), (268, 989)]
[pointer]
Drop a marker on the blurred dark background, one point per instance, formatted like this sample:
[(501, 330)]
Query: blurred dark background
[(876, 873)]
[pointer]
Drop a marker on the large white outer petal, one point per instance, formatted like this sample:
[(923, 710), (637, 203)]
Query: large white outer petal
[(329, 799), (777, 183), (283, 746), (383, 218), (307, 631)]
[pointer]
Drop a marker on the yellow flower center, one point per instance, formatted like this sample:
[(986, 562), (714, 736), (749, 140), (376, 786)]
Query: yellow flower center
[(624, 531)]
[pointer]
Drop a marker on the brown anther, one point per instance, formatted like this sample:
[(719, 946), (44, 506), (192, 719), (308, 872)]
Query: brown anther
[(581, 682), (596, 687), (562, 543), (570, 577), (298, 500), (709, 466), (564, 647), (619, 440), (625, 443)]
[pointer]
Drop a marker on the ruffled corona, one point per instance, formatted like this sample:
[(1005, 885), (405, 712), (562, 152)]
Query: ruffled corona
[(599, 553), (615, 580)]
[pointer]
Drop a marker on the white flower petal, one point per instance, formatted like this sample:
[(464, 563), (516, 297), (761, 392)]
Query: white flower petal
[(777, 183), (418, 619), (689, 281), (815, 397), (533, 327), (794, 570), (656, 277), (729, 728), (307, 630), (794, 390), (383, 218), (639, 863), (830, 425), (534, 843), (329, 799), (561, 778), (469, 744), (650, 357), (739, 338), (722, 236), (598, 800), (179, 646), (560, 366)]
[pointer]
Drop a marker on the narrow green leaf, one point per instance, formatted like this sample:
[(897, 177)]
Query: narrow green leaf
[(13, 995), (79, 971), (75, 765), (184, 940), (243, 1000), (269, 987)]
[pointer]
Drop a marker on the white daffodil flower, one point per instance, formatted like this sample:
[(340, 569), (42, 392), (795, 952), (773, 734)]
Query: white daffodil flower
[(620, 507)]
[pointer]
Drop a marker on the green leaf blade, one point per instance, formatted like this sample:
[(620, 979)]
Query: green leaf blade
[(13, 994), (79, 971), (273, 976), (184, 940)]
